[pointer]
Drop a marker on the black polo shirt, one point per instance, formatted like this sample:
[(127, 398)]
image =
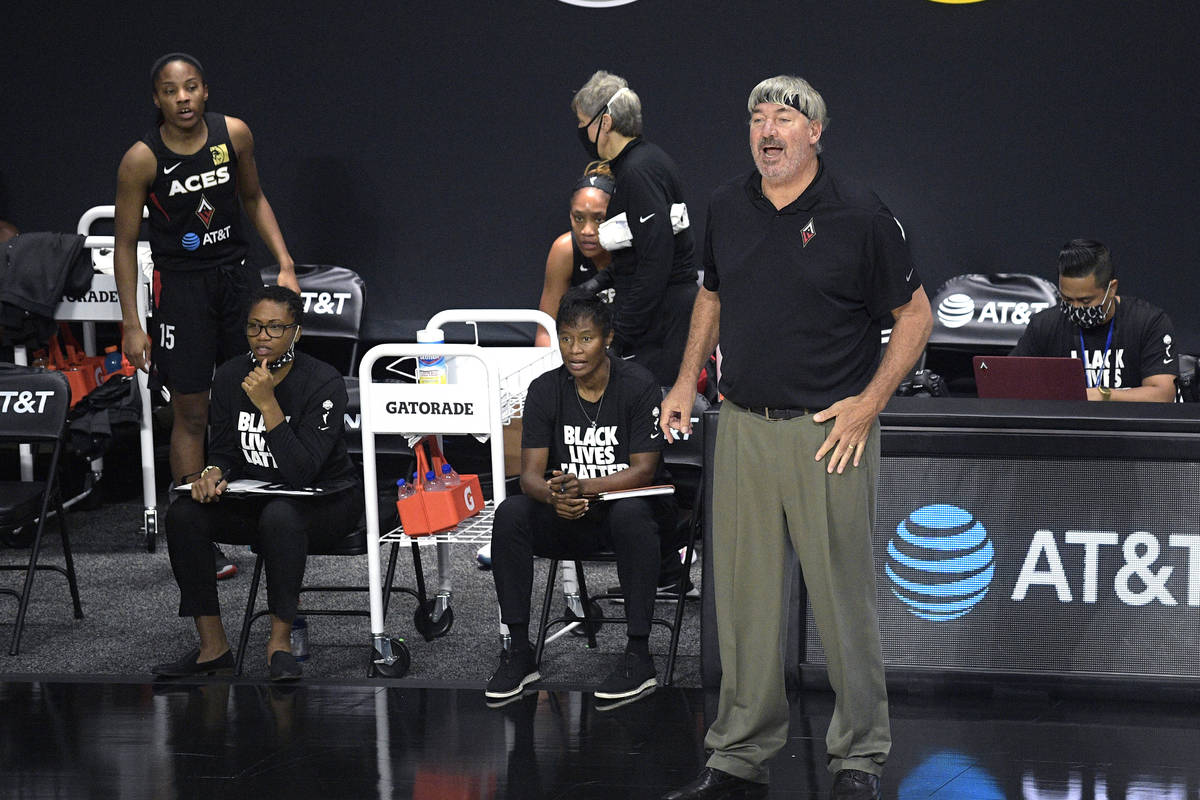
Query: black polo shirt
[(804, 290)]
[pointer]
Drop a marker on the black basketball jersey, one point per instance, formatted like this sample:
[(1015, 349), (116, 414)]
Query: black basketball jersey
[(582, 268), (195, 218)]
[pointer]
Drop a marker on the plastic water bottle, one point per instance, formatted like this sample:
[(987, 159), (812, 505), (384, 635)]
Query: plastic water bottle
[(404, 490), (433, 483), (450, 478), (112, 359), (300, 638)]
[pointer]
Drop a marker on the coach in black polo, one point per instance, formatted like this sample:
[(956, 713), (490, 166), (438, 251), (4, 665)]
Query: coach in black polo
[(802, 270)]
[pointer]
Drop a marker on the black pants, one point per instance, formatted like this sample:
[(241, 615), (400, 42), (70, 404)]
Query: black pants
[(281, 530), (660, 349), (524, 528)]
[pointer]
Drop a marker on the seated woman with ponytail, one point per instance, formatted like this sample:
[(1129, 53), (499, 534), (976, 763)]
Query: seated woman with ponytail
[(275, 415)]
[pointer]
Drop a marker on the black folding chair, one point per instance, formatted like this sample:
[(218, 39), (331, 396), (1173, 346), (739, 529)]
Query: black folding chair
[(33, 411), (352, 544)]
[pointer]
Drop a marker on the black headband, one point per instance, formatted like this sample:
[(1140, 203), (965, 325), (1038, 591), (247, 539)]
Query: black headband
[(795, 101), (604, 183), (168, 58)]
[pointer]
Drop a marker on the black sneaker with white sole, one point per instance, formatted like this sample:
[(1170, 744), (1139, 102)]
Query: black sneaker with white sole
[(225, 567), (513, 674), (668, 589), (634, 676), (613, 705)]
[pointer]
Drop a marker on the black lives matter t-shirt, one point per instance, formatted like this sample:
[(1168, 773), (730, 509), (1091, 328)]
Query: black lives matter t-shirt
[(1143, 344), (626, 421), (309, 449)]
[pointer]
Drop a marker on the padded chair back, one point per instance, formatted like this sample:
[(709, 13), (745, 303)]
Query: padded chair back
[(33, 404), (987, 313), (333, 303), (980, 315)]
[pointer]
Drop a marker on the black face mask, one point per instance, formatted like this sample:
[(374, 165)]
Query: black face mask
[(283, 360), (1087, 316), (590, 147)]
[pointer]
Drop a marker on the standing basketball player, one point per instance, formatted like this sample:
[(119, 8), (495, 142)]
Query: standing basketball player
[(190, 170)]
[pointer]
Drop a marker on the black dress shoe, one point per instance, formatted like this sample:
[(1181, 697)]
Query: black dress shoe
[(284, 666), (187, 665), (854, 784), (713, 784)]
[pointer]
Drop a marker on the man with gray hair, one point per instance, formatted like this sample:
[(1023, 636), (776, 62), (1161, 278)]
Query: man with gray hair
[(801, 270), (653, 266)]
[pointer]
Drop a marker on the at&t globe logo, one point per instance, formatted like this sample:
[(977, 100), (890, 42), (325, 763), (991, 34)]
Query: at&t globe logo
[(956, 310), (190, 241), (940, 562)]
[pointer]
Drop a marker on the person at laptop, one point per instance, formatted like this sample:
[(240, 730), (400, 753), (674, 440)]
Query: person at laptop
[(1127, 345)]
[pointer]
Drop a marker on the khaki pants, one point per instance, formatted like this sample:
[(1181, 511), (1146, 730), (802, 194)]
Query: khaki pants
[(772, 501)]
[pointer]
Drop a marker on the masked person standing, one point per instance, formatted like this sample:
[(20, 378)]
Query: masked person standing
[(653, 261), (1127, 345)]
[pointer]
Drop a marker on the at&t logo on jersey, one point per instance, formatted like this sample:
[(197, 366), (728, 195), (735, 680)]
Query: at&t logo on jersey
[(940, 562), (205, 180), (191, 241)]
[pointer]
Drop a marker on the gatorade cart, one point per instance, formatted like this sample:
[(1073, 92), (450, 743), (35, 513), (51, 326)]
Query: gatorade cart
[(488, 387)]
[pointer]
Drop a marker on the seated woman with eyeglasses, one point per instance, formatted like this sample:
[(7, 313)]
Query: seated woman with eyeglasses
[(275, 415)]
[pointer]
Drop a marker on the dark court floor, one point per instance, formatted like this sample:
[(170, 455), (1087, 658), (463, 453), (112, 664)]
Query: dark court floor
[(231, 739)]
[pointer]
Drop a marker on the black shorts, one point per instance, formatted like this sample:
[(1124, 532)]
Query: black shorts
[(199, 322)]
